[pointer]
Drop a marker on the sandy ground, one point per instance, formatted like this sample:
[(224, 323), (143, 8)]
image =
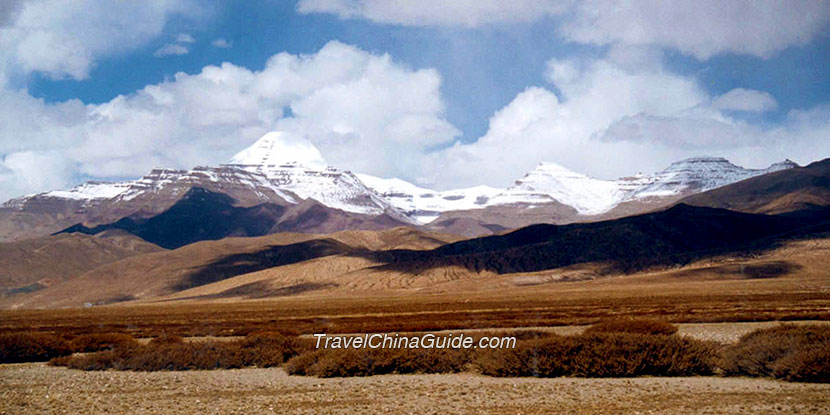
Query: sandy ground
[(40, 389)]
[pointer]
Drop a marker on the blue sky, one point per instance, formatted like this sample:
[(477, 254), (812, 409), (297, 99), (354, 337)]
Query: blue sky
[(471, 92)]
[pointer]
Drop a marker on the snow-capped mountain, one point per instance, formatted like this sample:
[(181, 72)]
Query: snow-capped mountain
[(425, 205), (288, 170), (698, 174), (551, 183), (163, 184), (276, 168), (293, 164)]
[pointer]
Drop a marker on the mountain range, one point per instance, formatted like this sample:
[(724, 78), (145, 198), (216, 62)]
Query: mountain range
[(282, 176), (776, 226)]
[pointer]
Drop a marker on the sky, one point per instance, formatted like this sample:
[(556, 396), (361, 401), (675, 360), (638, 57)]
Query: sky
[(442, 94)]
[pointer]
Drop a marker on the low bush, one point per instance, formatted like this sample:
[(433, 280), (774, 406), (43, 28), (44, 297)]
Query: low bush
[(171, 353), (799, 353), (636, 326), (100, 341), (366, 362), (602, 355), (166, 339), (31, 347), (540, 354)]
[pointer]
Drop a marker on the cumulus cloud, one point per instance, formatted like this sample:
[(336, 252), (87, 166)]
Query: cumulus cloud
[(23, 171), (700, 28), (621, 115), (470, 13), (537, 126), (363, 110), (63, 39)]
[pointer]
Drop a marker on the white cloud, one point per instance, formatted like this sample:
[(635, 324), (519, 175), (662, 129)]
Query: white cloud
[(63, 39), (470, 13), (536, 126), (221, 43), (740, 99), (801, 137), (177, 48), (702, 28), (619, 116), (171, 49), (364, 111), (185, 38), (23, 171)]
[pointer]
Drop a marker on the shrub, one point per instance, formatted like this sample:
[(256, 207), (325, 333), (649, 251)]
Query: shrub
[(786, 352), (268, 349), (367, 362), (302, 363), (811, 364), (31, 347), (100, 341), (173, 353), (601, 355), (167, 339), (542, 355), (547, 357), (633, 326)]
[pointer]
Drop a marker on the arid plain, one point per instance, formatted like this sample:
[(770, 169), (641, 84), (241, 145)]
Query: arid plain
[(718, 299)]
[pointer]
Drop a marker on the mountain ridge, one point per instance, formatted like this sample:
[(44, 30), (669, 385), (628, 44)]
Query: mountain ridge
[(285, 170)]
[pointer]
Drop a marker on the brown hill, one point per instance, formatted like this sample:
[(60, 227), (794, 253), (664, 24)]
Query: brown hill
[(163, 273), (783, 191), (407, 261), (497, 219), (799, 265), (37, 263)]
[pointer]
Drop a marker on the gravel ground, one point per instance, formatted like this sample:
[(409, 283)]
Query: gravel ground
[(40, 389), (719, 332)]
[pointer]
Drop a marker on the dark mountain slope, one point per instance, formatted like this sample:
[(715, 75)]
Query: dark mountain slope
[(671, 237), (199, 215), (205, 215)]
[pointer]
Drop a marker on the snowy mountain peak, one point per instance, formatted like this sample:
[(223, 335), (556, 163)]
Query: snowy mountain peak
[(551, 182), (291, 163), (279, 148), (425, 205), (702, 164), (699, 174), (782, 165)]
